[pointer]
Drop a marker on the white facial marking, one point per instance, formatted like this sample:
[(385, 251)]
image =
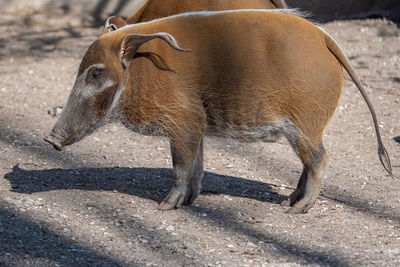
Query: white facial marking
[(112, 110), (88, 90)]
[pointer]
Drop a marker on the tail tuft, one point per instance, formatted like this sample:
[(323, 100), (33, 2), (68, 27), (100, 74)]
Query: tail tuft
[(384, 158)]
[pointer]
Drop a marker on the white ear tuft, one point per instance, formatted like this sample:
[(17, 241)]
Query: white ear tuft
[(110, 28), (132, 42)]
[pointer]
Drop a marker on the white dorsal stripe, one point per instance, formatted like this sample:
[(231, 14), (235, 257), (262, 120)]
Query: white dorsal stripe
[(290, 11)]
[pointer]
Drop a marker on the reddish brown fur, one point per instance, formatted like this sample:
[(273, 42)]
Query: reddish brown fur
[(246, 72), (277, 70), (153, 9)]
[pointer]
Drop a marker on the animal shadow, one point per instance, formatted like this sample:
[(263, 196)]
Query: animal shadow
[(150, 183)]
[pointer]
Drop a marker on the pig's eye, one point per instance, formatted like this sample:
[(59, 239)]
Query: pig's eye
[(95, 73), (96, 80), (95, 76)]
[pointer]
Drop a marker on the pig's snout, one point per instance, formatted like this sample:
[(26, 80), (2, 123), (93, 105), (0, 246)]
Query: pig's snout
[(51, 139)]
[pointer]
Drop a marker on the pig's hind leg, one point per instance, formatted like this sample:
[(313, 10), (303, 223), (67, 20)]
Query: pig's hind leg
[(314, 159), (188, 174)]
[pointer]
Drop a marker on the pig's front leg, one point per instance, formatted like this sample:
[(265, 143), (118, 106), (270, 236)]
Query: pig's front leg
[(188, 172)]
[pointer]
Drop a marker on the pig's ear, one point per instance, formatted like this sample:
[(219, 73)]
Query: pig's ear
[(113, 23), (132, 42), (117, 21)]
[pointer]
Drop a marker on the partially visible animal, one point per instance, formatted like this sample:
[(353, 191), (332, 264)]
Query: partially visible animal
[(248, 74), (154, 9)]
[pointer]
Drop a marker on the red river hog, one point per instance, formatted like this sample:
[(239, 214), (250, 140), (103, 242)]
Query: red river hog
[(246, 74)]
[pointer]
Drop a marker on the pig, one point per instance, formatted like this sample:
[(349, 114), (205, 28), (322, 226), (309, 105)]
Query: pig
[(153, 9), (245, 74)]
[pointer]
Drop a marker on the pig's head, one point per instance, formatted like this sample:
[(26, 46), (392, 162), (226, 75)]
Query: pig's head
[(101, 79)]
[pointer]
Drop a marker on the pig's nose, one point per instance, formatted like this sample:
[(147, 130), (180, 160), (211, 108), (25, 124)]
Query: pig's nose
[(52, 140)]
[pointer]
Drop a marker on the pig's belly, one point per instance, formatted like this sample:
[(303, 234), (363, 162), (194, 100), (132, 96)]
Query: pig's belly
[(270, 132)]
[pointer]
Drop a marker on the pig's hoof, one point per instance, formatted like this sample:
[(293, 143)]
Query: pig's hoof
[(169, 204), (298, 203), (294, 211), (175, 199), (165, 206), (300, 207)]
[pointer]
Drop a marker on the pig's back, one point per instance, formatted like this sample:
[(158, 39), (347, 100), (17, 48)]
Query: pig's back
[(163, 8)]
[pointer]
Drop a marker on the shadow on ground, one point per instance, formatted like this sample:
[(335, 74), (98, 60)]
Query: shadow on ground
[(26, 237), (38, 43), (41, 43), (24, 242), (150, 183), (153, 184), (302, 253)]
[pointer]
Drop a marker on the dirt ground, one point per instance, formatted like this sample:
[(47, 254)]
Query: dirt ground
[(94, 204)]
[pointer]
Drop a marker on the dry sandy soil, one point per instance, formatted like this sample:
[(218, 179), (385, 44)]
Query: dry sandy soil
[(95, 203)]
